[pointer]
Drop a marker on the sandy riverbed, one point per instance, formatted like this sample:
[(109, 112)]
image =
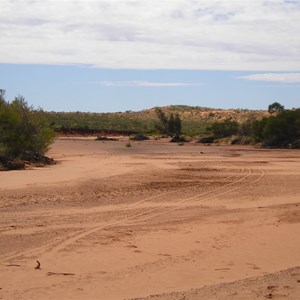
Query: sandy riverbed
[(154, 221)]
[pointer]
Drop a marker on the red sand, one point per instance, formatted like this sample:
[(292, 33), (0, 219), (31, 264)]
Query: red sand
[(110, 222)]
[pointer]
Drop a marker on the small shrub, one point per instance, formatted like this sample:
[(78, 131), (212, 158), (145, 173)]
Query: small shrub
[(295, 144), (139, 137), (178, 139), (105, 138), (128, 145), (207, 140)]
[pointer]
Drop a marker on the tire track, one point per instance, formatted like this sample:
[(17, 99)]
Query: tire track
[(205, 199), (60, 244), (198, 195), (72, 239)]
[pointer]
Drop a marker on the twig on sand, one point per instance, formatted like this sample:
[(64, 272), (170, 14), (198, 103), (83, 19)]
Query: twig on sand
[(13, 265), (38, 267), (65, 274)]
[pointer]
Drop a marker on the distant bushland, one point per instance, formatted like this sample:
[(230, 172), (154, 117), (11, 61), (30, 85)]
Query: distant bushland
[(277, 128), (273, 127), (194, 120)]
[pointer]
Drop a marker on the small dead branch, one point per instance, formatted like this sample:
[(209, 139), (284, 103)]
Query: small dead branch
[(38, 267), (132, 246), (13, 265), (64, 274)]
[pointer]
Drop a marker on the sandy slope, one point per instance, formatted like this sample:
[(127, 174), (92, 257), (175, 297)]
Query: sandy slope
[(191, 222), (280, 285)]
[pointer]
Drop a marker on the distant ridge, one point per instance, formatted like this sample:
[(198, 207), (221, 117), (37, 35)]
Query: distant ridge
[(198, 113), (194, 119)]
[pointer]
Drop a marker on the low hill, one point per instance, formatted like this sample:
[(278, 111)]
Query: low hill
[(201, 114), (194, 119)]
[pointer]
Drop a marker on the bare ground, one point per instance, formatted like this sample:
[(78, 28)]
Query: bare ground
[(154, 221)]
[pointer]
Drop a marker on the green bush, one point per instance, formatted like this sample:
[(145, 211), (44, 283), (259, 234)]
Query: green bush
[(24, 132), (281, 130), (138, 137), (224, 129)]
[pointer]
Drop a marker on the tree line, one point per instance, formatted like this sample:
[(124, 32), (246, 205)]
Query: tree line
[(26, 133), (280, 129)]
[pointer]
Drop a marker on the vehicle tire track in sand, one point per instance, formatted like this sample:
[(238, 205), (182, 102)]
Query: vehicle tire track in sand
[(198, 195), (72, 239), (60, 244), (202, 200), (174, 191)]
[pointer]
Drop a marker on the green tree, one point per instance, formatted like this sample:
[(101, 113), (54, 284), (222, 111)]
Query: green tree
[(169, 125), (177, 126), (275, 108), (163, 127)]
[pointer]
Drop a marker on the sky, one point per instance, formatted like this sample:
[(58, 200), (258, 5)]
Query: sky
[(118, 55)]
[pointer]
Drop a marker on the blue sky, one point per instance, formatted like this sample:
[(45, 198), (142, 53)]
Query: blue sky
[(122, 55)]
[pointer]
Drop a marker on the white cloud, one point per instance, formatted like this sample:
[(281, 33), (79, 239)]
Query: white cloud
[(146, 84), (275, 77), (177, 34)]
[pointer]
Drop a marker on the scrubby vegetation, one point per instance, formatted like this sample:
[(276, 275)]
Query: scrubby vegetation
[(169, 125), (194, 120), (139, 137), (179, 121), (280, 130), (25, 134), (224, 129), (94, 123)]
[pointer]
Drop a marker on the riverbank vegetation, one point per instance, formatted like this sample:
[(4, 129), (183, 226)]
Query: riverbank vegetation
[(26, 133), (273, 127)]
